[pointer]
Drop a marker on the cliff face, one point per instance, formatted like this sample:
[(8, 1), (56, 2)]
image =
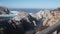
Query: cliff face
[(4, 10), (24, 21), (52, 18)]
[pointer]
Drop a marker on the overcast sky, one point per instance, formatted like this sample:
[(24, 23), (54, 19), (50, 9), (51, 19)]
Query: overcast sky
[(30, 3)]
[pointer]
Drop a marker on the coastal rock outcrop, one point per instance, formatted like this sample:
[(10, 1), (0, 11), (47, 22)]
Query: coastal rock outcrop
[(52, 18), (4, 10), (22, 22), (49, 18), (4, 20), (25, 23)]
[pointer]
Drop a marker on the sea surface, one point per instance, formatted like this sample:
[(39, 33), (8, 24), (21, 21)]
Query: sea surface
[(33, 10)]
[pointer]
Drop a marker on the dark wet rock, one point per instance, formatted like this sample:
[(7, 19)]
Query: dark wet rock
[(4, 25), (4, 10)]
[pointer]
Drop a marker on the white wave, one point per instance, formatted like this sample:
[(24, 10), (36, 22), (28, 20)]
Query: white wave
[(14, 12)]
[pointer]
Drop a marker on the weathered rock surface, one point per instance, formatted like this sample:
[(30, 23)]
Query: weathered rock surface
[(4, 10), (52, 18), (4, 20), (23, 21)]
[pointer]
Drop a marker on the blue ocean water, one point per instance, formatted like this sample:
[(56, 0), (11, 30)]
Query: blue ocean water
[(30, 10), (26, 10)]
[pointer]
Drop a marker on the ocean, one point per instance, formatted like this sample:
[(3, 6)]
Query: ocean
[(26, 10), (29, 10)]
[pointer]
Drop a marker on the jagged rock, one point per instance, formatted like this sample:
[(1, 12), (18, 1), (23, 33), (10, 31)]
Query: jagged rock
[(40, 16), (52, 18), (23, 16), (3, 20), (23, 21), (4, 10)]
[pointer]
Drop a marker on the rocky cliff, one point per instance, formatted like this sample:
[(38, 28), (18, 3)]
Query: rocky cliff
[(47, 17), (24, 23), (4, 10), (52, 17)]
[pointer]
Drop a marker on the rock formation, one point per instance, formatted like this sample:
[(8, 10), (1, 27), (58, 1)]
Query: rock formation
[(4, 20), (23, 21), (4, 10), (52, 18)]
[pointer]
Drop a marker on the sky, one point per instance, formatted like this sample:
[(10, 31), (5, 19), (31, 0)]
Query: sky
[(30, 3)]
